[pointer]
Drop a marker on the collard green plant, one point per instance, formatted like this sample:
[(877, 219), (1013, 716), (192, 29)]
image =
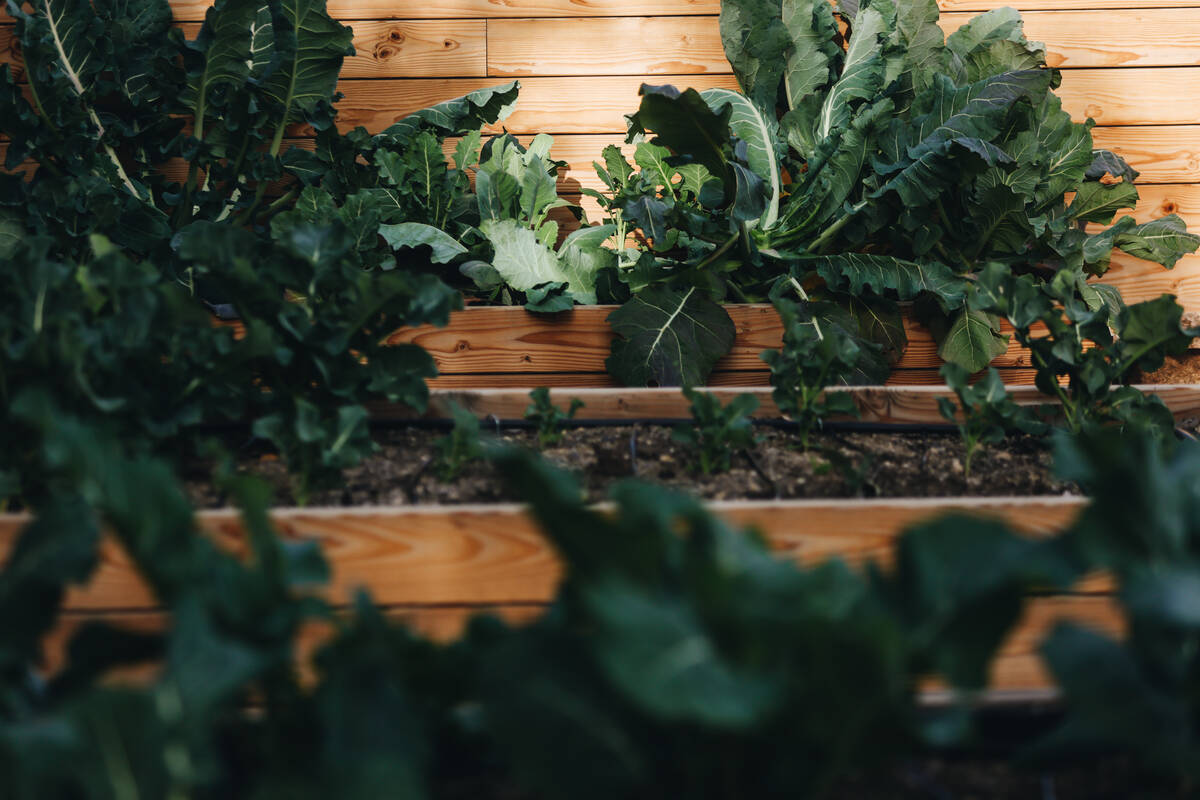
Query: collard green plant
[(680, 655), (986, 412), (889, 162), (716, 430), (1085, 344), (548, 417), (111, 267), (1137, 696)]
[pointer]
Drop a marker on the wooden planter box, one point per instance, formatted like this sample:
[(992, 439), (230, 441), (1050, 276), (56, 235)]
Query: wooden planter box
[(494, 347), (434, 567)]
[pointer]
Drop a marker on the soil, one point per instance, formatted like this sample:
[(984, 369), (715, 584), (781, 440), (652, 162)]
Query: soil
[(1184, 369), (837, 464)]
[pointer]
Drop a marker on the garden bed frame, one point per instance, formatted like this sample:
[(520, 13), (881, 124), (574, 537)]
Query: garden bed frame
[(434, 567)]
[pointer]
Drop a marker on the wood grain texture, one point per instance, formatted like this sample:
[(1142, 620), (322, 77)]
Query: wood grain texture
[(598, 104), (605, 46), (500, 380), (582, 104), (473, 9), (511, 339), (1147, 37), (1018, 665), (383, 48), (1161, 153), (1134, 96), (494, 554), (906, 404), (685, 45)]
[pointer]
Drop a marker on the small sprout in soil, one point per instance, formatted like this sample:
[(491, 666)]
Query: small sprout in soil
[(461, 446), (819, 350), (548, 417), (716, 430), (988, 411)]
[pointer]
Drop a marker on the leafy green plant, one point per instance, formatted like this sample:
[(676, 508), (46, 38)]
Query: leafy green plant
[(111, 269), (890, 163), (986, 412), (1137, 696), (1084, 344), (461, 446), (674, 634), (821, 348), (717, 430), (548, 417)]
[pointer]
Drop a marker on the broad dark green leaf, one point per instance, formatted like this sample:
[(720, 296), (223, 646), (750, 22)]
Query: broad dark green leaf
[(668, 337)]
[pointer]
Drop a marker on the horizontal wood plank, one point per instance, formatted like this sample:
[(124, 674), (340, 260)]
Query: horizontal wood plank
[(1018, 664), (1134, 96), (498, 9), (1161, 153), (510, 339), (1015, 376), (495, 554), (1128, 37), (605, 46), (686, 45), (891, 405), (583, 104), (383, 49), (598, 104)]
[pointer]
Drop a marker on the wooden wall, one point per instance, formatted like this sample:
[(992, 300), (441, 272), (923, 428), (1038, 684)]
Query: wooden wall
[(1132, 65)]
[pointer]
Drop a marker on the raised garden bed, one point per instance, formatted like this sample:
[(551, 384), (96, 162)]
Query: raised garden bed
[(507, 346), (435, 565)]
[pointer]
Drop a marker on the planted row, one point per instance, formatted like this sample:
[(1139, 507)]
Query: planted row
[(679, 655)]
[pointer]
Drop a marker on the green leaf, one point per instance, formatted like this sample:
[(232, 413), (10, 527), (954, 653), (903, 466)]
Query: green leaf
[(951, 122), (1164, 240), (443, 247), (316, 45), (973, 340), (1097, 202), (684, 123), (668, 337), (224, 43), (760, 133), (525, 262), (459, 116), (756, 44), (854, 272)]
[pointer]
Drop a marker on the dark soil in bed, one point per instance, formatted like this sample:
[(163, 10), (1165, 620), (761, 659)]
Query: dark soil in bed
[(837, 464)]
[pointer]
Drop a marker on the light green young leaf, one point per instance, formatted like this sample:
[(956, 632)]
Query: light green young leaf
[(443, 246), (525, 262)]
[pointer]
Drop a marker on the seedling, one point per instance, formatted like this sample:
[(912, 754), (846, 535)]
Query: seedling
[(548, 417), (988, 411), (462, 445), (821, 347), (716, 430)]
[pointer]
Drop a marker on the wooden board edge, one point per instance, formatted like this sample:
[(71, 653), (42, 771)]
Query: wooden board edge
[(886, 405), (1016, 671)]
